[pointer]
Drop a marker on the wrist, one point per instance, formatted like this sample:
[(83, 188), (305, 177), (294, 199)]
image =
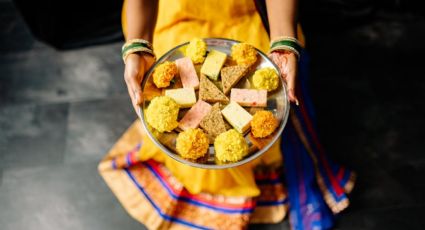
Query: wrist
[(273, 37), (285, 29), (147, 36)]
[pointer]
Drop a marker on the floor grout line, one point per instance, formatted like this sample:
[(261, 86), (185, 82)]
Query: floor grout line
[(76, 100)]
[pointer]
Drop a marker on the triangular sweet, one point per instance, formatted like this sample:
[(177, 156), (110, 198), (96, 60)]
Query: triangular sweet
[(213, 123), (231, 75), (209, 92)]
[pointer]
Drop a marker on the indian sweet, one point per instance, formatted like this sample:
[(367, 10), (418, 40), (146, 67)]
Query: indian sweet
[(196, 50), (244, 54), (162, 114), (194, 116), (230, 146), (231, 75), (213, 123), (266, 78), (187, 73), (192, 144), (263, 124), (237, 116), (209, 92), (213, 63), (164, 73), (249, 97), (185, 97)]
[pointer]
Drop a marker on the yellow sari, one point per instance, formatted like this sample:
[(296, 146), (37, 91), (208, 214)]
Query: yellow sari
[(179, 22)]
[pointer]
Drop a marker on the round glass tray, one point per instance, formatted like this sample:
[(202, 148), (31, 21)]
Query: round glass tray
[(277, 103)]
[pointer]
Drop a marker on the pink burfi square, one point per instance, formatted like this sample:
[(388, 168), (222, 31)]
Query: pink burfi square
[(249, 97), (194, 116), (187, 73)]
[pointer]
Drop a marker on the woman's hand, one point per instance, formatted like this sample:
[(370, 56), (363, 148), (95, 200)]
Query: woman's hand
[(287, 63), (136, 66)]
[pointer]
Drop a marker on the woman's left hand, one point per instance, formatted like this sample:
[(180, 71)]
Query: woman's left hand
[(288, 66)]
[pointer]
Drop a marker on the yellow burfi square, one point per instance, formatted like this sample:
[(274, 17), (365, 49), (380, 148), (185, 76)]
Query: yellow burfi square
[(213, 64), (185, 97)]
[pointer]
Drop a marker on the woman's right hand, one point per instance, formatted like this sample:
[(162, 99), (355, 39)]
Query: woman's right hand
[(136, 66)]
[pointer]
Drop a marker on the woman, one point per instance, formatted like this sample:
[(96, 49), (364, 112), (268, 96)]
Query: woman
[(163, 193)]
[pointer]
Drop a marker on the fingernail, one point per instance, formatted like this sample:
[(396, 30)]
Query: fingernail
[(138, 110), (297, 103), (136, 97), (286, 69)]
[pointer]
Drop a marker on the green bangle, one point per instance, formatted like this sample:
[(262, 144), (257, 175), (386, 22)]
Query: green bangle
[(136, 47), (288, 44), (143, 41)]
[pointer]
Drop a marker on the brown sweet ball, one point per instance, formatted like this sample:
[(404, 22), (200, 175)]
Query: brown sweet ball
[(164, 73), (263, 124)]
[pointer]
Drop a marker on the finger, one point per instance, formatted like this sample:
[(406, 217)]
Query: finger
[(135, 89), (149, 60), (135, 69), (133, 101), (127, 77), (291, 73), (132, 95), (280, 60), (129, 80)]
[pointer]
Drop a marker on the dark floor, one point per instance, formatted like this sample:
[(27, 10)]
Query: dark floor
[(60, 112)]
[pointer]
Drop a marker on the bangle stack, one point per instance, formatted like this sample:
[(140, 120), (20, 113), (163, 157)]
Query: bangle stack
[(286, 44), (136, 45)]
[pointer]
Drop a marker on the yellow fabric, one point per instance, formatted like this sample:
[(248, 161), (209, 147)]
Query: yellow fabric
[(237, 181), (180, 21), (139, 207)]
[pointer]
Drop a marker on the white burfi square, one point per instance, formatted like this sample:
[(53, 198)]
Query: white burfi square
[(237, 116)]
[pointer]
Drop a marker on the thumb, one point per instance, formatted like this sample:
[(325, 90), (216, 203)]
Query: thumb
[(291, 72)]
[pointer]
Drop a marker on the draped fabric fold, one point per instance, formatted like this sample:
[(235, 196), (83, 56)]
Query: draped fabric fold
[(152, 195), (316, 186)]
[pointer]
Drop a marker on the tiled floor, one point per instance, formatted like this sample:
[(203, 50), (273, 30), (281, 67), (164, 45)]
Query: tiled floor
[(60, 112)]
